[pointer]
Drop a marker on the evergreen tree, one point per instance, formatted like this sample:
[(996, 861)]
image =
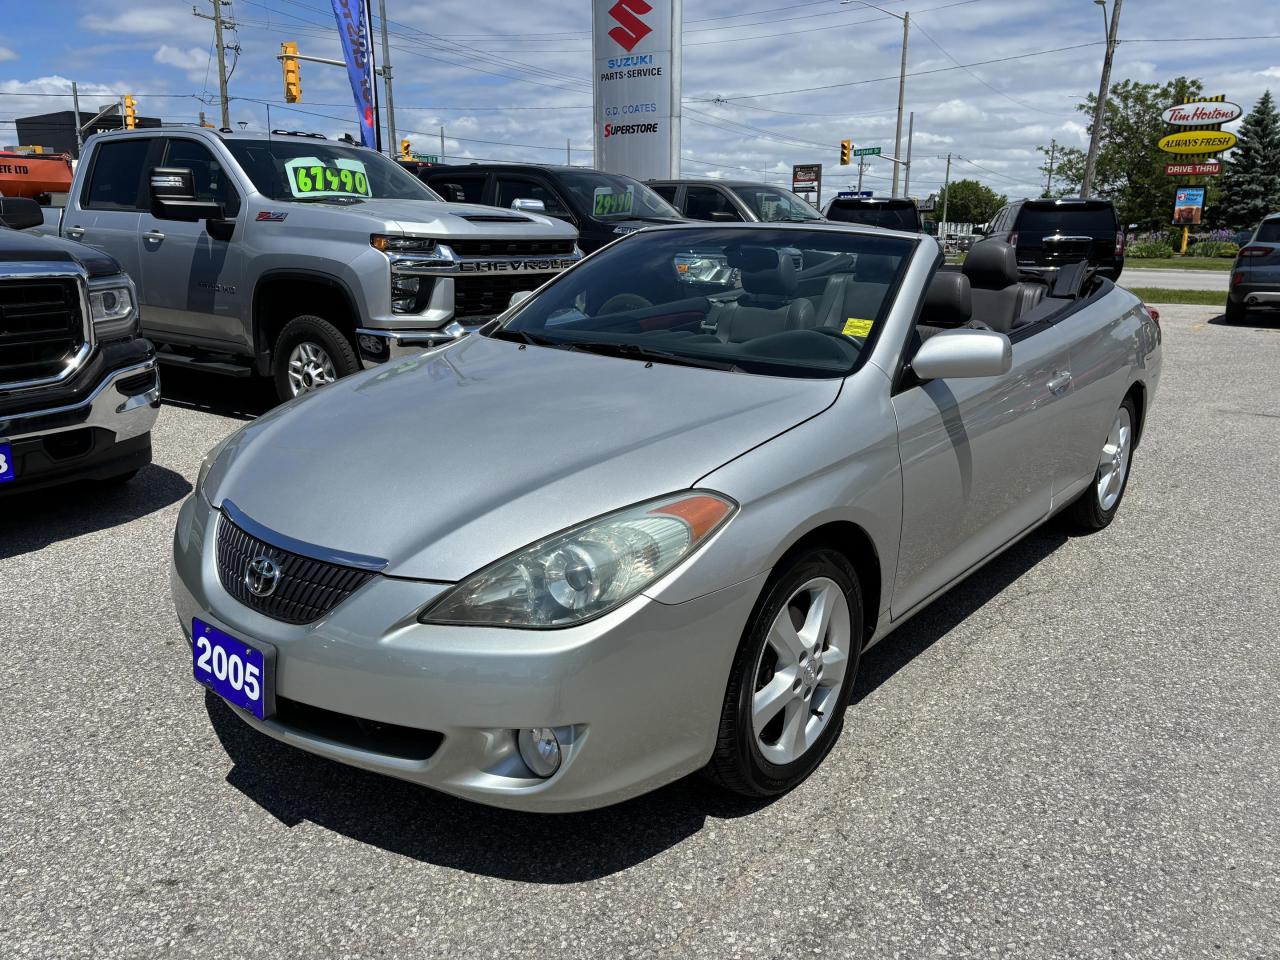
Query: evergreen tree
[(1251, 175)]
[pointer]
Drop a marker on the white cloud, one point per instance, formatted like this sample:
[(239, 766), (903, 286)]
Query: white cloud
[(1269, 72), (7, 54), (192, 58)]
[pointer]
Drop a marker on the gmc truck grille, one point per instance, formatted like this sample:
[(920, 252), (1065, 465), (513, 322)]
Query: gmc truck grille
[(511, 248), (488, 295), (306, 590), (41, 327)]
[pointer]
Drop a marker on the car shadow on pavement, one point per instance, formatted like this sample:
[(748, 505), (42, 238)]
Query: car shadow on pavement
[(403, 818), (1256, 320), (30, 521), (241, 398)]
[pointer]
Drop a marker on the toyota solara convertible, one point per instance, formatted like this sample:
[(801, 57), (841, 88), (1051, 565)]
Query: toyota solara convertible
[(646, 522)]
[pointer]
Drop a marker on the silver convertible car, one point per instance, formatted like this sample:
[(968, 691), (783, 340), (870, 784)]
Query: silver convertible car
[(646, 522)]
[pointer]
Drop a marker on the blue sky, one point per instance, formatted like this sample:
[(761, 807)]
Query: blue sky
[(511, 80)]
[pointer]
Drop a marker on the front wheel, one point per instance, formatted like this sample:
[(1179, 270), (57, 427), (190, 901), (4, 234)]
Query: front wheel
[(791, 678), (309, 354), (1097, 506)]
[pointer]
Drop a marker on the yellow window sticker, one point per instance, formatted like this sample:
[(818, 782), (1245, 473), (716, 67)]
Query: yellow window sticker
[(856, 327)]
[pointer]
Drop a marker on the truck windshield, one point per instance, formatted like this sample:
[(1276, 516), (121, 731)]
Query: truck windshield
[(771, 204), (605, 196), (295, 169)]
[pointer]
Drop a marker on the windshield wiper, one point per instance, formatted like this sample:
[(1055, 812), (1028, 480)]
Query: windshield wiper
[(524, 336), (636, 351), (341, 200)]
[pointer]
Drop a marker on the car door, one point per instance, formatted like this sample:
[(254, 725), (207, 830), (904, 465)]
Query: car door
[(979, 458), (708, 203), (509, 188), (459, 187), (107, 211), (193, 285)]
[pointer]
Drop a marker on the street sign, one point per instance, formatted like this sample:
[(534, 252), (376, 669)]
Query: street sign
[(806, 180), (425, 157), (1209, 168), (867, 152)]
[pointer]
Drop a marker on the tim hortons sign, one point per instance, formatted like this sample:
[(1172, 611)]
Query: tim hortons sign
[(1201, 113)]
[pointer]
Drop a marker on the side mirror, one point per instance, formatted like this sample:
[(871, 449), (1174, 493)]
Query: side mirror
[(529, 205), (959, 354), (20, 213), (173, 197), (724, 216), (452, 192), (519, 297), (980, 231)]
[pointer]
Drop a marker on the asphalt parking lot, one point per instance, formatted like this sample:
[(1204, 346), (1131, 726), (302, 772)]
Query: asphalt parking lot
[(1074, 753)]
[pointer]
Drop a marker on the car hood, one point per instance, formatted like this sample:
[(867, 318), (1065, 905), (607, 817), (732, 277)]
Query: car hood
[(465, 219), (443, 463)]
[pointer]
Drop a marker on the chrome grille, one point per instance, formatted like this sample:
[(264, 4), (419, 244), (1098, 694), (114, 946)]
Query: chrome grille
[(41, 327), (502, 247), (307, 589)]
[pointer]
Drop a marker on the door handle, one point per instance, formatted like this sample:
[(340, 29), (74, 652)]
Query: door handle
[(153, 235), (1059, 384), (75, 233)]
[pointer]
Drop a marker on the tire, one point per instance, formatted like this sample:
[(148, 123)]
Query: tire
[(1097, 506), (788, 746), (310, 353), (1235, 312)]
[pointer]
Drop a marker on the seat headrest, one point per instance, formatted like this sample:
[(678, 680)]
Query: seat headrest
[(948, 302), (766, 272), (991, 265)]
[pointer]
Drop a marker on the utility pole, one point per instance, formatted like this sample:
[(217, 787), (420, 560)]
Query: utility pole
[(862, 163), (75, 106), (442, 143), (218, 24), (1100, 108), (902, 92), (386, 78), (568, 152), (911, 133), (1048, 185), (946, 196)]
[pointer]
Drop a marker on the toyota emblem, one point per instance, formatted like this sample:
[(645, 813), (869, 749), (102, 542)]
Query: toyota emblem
[(262, 576)]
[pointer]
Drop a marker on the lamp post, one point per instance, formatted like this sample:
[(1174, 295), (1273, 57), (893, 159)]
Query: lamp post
[(902, 82), (1100, 108)]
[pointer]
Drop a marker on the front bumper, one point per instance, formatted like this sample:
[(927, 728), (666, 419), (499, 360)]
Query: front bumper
[(103, 435), (640, 688), (380, 346)]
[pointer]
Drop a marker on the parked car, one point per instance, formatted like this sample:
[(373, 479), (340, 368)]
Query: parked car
[(891, 213), (1052, 233), (1255, 275), (79, 389), (295, 257), (730, 201), (698, 506), (602, 206)]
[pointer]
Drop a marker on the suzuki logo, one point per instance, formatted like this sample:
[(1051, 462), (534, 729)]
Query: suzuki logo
[(262, 576), (631, 29)]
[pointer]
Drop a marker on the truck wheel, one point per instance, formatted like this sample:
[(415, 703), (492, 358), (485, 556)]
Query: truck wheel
[(310, 353), (1235, 312)]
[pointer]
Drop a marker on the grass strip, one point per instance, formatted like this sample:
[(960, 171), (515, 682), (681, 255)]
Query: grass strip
[(1158, 295)]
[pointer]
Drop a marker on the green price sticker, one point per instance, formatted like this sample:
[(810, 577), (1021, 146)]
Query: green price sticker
[(308, 177), (609, 202)]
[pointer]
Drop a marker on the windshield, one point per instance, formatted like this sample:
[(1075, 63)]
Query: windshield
[(294, 169), (772, 204), (779, 302), (605, 196), (1080, 219), (1268, 232), (891, 217)]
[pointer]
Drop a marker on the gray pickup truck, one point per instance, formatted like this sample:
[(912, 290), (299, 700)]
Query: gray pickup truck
[(79, 389), (296, 257)]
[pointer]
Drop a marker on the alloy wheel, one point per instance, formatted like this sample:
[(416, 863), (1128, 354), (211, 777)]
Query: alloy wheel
[(1114, 466), (800, 671), (310, 367)]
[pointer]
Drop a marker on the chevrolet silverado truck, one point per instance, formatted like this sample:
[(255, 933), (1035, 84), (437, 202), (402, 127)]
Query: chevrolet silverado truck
[(288, 255), (79, 388)]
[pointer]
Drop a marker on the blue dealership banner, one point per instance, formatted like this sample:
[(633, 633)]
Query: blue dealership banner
[(354, 30)]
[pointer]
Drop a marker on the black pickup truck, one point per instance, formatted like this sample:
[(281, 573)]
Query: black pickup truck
[(79, 389)]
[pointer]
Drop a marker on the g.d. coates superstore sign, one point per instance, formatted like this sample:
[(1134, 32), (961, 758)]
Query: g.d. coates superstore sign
[(636, 50)]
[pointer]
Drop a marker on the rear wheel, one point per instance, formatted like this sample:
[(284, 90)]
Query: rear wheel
[(1097, 506), (791, 678), (1235, 312), (310, 353)]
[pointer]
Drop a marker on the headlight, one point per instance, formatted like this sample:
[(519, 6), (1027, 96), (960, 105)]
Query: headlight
[(111, 304), (389, 243), (587, 570)]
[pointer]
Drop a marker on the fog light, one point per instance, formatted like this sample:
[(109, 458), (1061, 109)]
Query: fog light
[(540, 750)]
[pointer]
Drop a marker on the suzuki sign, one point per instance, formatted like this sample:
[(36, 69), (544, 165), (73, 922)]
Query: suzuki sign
[(636, 50)]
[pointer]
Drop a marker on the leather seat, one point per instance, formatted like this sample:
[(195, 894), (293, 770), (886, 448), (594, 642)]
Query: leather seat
[(860, 295), (948, 304), (769, 302), (999, 297)]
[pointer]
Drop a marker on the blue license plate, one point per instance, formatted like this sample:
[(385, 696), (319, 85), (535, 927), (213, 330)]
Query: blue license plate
[(232, 669), (8, 469)]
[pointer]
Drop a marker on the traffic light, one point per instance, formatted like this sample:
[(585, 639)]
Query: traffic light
[(130, 112), (846, 150), (404, 150), (292, 72)]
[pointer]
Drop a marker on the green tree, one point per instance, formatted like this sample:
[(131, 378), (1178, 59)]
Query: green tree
[(1130, 169), (1251, 175), (968, 201)]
